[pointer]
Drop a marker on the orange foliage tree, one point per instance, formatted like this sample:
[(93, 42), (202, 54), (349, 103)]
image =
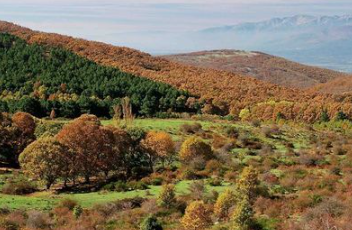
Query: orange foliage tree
[(159, 146), (88, 140)]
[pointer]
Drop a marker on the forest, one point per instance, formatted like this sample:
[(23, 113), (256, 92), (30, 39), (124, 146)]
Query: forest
[(39, 79)]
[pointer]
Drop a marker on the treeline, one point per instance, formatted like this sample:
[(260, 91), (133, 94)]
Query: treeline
[(38, 79)]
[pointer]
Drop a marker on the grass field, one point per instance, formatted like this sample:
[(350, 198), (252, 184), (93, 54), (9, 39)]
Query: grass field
[(47, 200)]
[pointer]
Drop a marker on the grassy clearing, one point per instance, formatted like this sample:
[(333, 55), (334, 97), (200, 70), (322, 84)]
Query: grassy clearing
[(47, 200)]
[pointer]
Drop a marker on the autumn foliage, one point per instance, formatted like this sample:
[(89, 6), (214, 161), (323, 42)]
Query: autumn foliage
[(231, 94), (197, 216), (195, 147), (46, 160)]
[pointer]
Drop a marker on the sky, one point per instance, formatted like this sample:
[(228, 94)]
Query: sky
[(122, 22)]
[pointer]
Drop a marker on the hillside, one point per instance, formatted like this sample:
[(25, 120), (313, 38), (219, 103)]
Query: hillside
[(262, 66), (215, 84), (222, 92), (38, 79)]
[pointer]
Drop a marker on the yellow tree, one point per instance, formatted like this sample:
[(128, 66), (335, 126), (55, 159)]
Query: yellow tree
[(246, 192), (194, 147), (224, 203), (196, 217), (247, 184), (242, 215), (159, 146), (167, 196), (46, 159)]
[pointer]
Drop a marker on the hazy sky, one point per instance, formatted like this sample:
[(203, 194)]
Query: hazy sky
[(112, 20)]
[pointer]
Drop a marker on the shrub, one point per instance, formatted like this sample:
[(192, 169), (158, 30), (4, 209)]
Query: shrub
[(167, 196), (197, 190), (37, 220), (120, 186), (197, 163), (194, 147), (151, 223), (19, 186), (215, 181), (137, 185), (191, 128), (68, 203), (77, 211), (256, 123), (232, 132), (156, 181), (218, 141), (8, 224)]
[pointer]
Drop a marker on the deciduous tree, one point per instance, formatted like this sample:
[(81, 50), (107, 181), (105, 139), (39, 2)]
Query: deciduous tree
[(194, 147), (196, 217), (46, 159)]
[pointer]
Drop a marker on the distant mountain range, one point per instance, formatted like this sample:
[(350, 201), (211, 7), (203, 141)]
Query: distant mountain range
[(287, 23)]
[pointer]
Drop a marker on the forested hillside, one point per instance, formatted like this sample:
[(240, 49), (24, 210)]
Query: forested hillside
[(222, 92), (262, 66), (38, 79), (209, 84)]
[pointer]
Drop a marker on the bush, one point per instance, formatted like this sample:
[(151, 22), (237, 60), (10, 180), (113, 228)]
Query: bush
[(232, 132), (19, 186), (197, 190), (191, 128), (151, 223), (37, 220), (215, 181), (9, 225), (167, 196), (120, 186), (68, 203), (137, 185), (156, 181)]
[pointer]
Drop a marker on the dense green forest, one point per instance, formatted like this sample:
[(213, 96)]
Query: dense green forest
[(38, 79)]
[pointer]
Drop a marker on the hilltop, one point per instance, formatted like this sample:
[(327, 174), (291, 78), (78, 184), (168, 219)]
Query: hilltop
[(262, 66)]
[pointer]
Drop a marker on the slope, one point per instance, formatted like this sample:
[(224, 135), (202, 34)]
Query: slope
[(209, 84), (38, 79), (337, 87), (262, 66), (221, 91)]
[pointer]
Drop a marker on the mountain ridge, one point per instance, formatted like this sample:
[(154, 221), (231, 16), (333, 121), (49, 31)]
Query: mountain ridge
[(286, 22)]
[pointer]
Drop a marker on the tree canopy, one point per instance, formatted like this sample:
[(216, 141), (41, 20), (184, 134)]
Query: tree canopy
[(40, 79)]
